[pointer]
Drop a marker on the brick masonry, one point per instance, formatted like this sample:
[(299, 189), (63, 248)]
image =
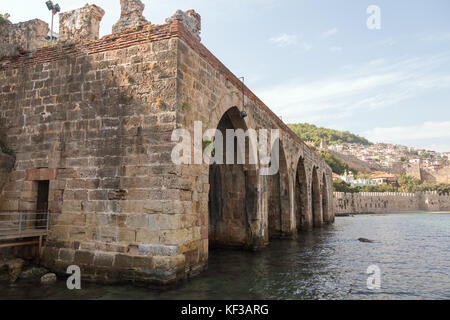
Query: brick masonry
[(95, 118)]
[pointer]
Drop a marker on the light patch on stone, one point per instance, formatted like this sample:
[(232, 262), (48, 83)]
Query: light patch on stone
[(158, 250)]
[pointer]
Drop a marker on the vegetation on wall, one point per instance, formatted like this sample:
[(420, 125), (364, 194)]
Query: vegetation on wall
[(309, 132), (4, 18)]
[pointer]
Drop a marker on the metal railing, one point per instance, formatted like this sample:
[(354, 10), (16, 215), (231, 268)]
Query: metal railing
[(23, 224)]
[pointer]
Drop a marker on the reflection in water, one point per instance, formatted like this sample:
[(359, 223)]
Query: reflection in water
[(412, 251)]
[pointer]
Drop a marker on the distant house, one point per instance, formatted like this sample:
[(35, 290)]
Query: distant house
[(385, 178), (349, 178)]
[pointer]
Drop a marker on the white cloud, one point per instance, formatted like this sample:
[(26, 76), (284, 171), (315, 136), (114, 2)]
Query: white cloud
[(336, 49), (427, 130), (435, 37), (284, 40), (330, 33), (428, 134), (375, 85)]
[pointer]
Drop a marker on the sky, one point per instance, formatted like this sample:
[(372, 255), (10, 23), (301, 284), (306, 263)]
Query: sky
[(316, 61)]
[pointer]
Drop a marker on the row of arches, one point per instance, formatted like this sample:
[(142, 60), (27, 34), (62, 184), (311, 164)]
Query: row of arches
[(247, 209)]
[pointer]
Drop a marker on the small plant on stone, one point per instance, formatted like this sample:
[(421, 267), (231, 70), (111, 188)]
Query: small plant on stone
[(4, 18)]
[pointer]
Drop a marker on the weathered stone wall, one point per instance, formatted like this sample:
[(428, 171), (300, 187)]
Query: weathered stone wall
[(96, 120), (424, 175), (389, 202), (432, 201), (81, 24), (443, 175), (100, 124), (191, 21), (131, 15), (6, 165), (23, 36)]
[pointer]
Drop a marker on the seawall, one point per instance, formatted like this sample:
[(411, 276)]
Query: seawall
[(389, 202)]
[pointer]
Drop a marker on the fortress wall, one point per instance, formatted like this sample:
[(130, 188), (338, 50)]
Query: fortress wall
[(28, 36), (95, 119), (389, 202), (432, 201)]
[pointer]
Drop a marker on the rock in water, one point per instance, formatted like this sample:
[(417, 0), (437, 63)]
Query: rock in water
[(49, 278), (365, 240), (15, 269), (33, 273)]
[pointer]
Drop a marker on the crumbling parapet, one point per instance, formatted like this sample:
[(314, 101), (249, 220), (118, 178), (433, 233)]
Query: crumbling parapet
[(81, 24), (190, 19), (131, 15), (23, 36)]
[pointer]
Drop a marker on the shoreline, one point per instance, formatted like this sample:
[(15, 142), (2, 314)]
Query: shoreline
[(343, 215)]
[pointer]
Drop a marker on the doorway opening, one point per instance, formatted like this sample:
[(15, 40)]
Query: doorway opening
[(42, 204)]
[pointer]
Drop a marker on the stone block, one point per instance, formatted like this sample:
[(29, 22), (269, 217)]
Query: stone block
[(163, 263), (81, 24), (103, 259), (143, 263), (66, 255), (131, 15), (157, 250), (84, 257), (123, 261)]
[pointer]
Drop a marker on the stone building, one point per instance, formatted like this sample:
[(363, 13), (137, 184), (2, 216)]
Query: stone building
[(92, 120)]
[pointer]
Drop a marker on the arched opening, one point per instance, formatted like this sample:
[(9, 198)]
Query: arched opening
[(301, 196), (278, 199), (325, 200), (233, 191), (316, 200)]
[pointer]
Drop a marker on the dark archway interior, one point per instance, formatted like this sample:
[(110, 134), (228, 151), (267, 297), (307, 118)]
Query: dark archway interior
[(278, 199), (232, 196), (301, 195), (325, 200), (315, 197)]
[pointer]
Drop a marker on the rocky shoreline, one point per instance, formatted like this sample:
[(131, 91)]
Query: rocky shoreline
[(14, 270)]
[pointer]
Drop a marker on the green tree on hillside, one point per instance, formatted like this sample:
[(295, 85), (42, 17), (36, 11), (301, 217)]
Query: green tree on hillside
[(408, 183), (342, 186), (309, 132), (334, 162)]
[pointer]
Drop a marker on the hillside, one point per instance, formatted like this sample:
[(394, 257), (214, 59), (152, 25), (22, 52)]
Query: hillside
[(309, 132)]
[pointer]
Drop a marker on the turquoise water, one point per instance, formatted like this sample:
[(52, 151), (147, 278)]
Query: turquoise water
[(411, 250)]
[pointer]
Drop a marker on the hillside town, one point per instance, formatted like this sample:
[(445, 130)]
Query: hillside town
[(391, 156), (387, 162)]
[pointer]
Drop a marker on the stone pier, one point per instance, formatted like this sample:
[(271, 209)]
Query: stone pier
[(95, 118)]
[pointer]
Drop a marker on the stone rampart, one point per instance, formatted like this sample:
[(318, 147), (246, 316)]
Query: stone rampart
[(389, 202), (23, 36)]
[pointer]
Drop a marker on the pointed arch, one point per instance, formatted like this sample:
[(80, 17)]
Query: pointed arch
[(233, 195), (279, 201)]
